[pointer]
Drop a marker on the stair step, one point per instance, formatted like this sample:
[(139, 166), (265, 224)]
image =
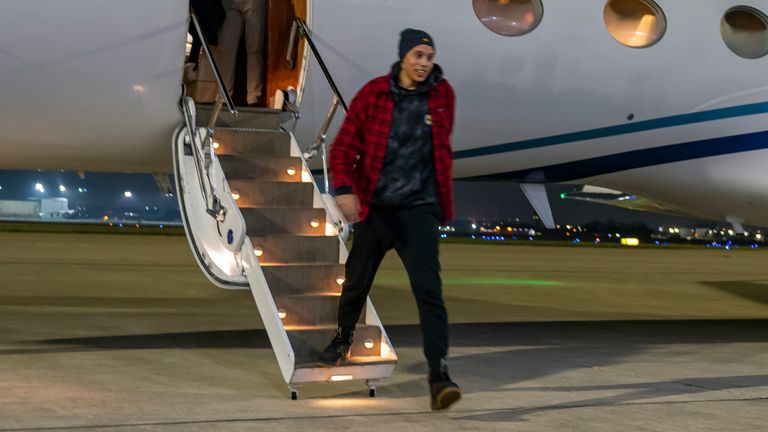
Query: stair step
[(308, 342), (260, 167), (239, 141), (297, 249), (257, 193), (286, 220), (287, 279), (252, 118), (308, 309)]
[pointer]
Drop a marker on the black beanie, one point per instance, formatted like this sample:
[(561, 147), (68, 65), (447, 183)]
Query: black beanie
[(410, 38)]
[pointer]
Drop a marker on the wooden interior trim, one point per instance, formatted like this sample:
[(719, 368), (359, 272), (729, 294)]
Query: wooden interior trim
[(280, 15)]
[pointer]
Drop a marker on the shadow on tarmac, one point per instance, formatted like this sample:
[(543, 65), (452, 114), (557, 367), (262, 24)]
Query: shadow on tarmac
[(756, 291), (582, 335)]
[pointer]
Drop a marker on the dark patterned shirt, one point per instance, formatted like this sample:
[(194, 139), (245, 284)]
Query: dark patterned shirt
[(407, 175)]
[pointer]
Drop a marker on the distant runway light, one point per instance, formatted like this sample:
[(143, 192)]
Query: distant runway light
[(39, 187), (62, 188), (128, 194)]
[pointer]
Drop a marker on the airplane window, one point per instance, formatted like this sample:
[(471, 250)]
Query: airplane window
[(634, 23), (745, 31), (509, 17)]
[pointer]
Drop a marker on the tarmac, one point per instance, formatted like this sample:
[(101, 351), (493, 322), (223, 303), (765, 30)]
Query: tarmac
[(103, 332)]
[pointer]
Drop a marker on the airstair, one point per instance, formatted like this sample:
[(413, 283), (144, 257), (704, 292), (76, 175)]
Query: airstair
[(256, 220)]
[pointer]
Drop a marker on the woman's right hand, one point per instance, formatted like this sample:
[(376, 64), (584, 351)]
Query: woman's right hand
[(349, 206)]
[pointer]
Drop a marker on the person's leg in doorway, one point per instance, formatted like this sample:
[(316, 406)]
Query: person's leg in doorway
[(254, 15), (229, 42)]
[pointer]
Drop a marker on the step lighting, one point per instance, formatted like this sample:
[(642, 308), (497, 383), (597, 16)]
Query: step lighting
[(216, 145), (281, 313), (340, 279), (314, 223), (291, 171), (258, 251), (335, 378), (368, 344), (235, 195)]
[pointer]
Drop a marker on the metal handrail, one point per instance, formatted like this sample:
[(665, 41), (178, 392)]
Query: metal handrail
[(320, 144), (301, 26), (202, 148), (219, 80)]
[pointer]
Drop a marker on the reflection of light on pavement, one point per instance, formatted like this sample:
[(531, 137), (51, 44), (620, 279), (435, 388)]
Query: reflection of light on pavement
[(348, 403)]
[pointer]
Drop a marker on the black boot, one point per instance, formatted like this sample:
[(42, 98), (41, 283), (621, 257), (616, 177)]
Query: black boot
[(338, 350), (444, 392)]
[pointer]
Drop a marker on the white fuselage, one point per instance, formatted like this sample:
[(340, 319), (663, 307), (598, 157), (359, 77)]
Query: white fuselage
[(549, 106)]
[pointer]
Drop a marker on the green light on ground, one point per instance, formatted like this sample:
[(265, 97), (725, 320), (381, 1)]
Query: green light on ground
[(562, 195), (499, 281)]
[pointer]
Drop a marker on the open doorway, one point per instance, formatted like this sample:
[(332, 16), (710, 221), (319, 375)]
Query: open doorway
[(276, 72)]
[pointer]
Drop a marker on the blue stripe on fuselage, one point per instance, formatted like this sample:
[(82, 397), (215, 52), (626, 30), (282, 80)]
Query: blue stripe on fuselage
[(659, 123), (592, 167)]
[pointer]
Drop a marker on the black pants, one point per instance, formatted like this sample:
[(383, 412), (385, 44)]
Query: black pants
[(413, 232)]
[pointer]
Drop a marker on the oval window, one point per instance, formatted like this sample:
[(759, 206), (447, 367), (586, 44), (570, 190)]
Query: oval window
[(745, 31), (509, 17), (634, 23)]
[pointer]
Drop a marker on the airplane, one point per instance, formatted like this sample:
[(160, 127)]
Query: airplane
[(658, 99)]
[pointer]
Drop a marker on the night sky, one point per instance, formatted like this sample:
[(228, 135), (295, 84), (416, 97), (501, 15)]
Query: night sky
[(474, 200)]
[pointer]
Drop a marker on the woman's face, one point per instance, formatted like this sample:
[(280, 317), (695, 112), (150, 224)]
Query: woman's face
[(418, 63)]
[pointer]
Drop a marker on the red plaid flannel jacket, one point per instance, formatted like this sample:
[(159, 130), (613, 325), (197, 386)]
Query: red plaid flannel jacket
[(357, 153)]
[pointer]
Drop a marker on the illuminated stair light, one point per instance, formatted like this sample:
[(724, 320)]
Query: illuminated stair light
[(281, 313), (314, 223), (340, 279), (291, 171), (216, 145), (335, 378), (368, 344), (235, 195), (258, 251)]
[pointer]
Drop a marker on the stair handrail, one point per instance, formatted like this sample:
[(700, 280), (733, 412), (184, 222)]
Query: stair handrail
[(222, 88), (320, 145), (203, 147)]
